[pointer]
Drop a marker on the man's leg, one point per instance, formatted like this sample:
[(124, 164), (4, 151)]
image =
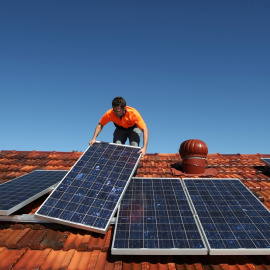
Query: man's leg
[(119, 136), (134, 136)]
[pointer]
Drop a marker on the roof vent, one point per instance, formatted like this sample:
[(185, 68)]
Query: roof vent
[(193, 153)]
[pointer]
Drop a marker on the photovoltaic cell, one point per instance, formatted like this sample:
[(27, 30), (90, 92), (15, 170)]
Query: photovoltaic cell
[(266, 161), (22, 190), (88, 196), (155, 218), (234, 221)]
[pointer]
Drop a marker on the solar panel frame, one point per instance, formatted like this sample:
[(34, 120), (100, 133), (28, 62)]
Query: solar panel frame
[(228, 224), (93, 170), (22, 190), (141, 227), (266, 161)]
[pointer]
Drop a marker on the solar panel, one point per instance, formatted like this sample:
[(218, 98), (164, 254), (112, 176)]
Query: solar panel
[(155, 218), (234, 221), (89, 195), (266, 161), (22, 190)]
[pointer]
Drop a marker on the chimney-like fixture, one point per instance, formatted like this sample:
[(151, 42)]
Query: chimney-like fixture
[(193, 153)]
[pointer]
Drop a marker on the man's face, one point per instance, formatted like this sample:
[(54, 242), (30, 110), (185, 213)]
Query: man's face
[(119, 112)]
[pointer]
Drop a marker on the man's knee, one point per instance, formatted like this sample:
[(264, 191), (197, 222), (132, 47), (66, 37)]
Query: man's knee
[(133, 143), (134, 137), (119, 137)]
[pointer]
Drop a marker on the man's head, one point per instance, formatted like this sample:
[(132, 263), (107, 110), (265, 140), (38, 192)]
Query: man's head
[(119, 101), (119, 106)]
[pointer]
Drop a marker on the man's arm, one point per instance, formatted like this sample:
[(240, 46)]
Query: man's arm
[(145, 141), (99, 127)]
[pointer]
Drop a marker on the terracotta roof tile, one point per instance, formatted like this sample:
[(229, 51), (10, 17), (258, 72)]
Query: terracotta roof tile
[(12, 175), (54, 239), (252, 185), (26, 161), (96, 242), (6, 161), (88, 241), (15, 237), (32, 239), (83, 245), (55, 168), (2, 176), (75, 240), (19, 226), (259, 196), (8, 258), (86, 260), (28, 168), (94, 259), (2, 154), (4, 168), (265, 194), (57, 260), (267, 204), (37, 155), (101, 261), (55, 163), (32, 259), (4, 235)]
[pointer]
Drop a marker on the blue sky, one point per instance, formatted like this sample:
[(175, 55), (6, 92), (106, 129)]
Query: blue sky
[(193, 69)]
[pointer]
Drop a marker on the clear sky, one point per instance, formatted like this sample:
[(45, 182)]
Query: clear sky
[(193, 69)]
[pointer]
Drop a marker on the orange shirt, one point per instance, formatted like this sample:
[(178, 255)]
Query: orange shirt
[(131, 118)]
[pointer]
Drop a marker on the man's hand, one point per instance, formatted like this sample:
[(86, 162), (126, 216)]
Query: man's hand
[(145, 141), (92, 142), (97, 131), (143, 151)]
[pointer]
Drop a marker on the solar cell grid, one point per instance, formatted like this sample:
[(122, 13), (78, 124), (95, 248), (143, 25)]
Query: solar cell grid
[(88, 196), (155, 218), (232, 217), (23, 190)]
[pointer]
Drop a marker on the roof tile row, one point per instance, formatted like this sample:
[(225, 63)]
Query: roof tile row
[(89, 242), (35, 239), (51, 259), (75, 260), (43, 238), (17, 163)]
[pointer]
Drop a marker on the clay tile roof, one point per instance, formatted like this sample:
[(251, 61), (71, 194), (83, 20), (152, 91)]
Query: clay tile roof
[(54, 246), (22, 162)]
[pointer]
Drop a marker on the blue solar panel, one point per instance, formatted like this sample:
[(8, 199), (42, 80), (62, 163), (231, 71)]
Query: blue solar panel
[(233, 219), (25, 189), (266, 161), (89, 194), (155, 218)]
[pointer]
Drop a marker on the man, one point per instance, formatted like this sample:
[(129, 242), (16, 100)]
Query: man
[(128, 122)]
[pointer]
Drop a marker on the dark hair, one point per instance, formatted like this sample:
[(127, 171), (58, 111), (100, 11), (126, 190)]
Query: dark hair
[(119, 101)]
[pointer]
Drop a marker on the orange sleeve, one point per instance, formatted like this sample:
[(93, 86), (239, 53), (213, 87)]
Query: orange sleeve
[(140, 122), (106, 118), (138, 119)]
